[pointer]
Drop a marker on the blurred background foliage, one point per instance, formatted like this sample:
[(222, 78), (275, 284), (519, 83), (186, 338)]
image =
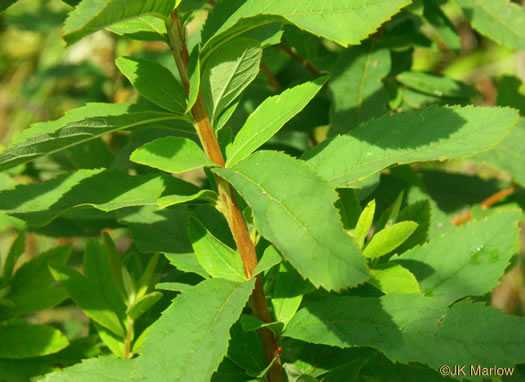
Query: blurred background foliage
[(40, 80)]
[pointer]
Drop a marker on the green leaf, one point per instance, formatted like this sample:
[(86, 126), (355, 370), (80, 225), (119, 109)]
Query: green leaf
[(269, 117), (90, 16), (143, 304), (115, 344), (329, 19), (227, 73), (154, 82), (17, 249), (202, 195), (87, 295), (442, 28), (105, 190), (393, 278), (144, 28), (418, 212), (100, 268), (194, 74), (100, 369), (390, 215), (25, 341), (415, 328), (467, 261), (112, 261), (364, 223), (349, 207), (193, 332), (357, 88), (499, 20), (82, 125), (294, 209), (288, 291), (217, 259), (435, 133), (436, 85), (31, 288), (171, 154), (4, 4), (509, 154), (269, 259), (245, 349), (388, 239)]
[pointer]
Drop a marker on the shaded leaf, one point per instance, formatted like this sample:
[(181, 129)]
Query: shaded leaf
[(31, 287), (415, 328), (25, 341), (436, 85), (105, 190), (100, 369), (83, 125), (466, 261), (89, 298), (418, 212), (288, 209), (435, 133), (357, 88), (15, 251)]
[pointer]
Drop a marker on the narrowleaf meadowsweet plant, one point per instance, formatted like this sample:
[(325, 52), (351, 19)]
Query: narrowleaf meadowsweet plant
[(279, 190)]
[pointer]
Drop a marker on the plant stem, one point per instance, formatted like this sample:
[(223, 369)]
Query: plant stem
[(230, 208), (307, 65), (127, 341)]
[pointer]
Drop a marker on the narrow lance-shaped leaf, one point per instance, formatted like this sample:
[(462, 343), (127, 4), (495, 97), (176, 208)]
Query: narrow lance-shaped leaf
[(364, 223), (415, 328), (389, 239), (227, 73), (83, 125), (144, 28), (171, 154), (105, 190), (17, 249), (154, 82), (436, 85), (345, 22), (294, 209), (90, 16), (466, 261), (435, 133), (500, 20), (269, 117), (217, 259), (193, 332)]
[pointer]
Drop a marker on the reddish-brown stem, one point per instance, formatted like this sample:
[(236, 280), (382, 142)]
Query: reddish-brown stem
[(271, 78), (486, 204), (293, 53), (229, 205)]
